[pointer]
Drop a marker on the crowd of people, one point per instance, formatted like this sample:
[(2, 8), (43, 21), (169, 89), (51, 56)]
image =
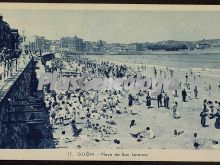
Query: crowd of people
[(8, 54), (93, 113)]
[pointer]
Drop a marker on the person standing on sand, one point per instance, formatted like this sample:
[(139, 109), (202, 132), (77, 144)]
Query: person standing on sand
[(180, 85), (217, 107), (171, 73), (210, 89), (184, 94), (203, 115), (148, 100), (217, 121), (191, 72), (159, 100), (205, 105), (196, 92), (194, 76), (130, 100), (174, 93), (206, 88), (195, 141), (161, 72), (186, 75), (175, 110), (165, 75), (166, 101), (155, 72), (189, 93)]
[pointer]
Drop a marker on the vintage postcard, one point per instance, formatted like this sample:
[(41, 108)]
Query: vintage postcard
[(109, 82)]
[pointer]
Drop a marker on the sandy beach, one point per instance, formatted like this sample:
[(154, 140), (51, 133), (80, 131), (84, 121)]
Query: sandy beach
[(159, 119)]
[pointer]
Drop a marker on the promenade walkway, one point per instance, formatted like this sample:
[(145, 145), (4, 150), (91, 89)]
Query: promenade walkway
[(10, 72)]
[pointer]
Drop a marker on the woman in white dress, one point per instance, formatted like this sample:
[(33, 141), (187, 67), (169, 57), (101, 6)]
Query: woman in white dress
[(176, 114)]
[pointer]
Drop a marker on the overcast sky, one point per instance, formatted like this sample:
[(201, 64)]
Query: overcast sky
[(116, 26)]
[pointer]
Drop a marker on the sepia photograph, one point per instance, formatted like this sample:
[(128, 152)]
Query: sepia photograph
[(109, 77)]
